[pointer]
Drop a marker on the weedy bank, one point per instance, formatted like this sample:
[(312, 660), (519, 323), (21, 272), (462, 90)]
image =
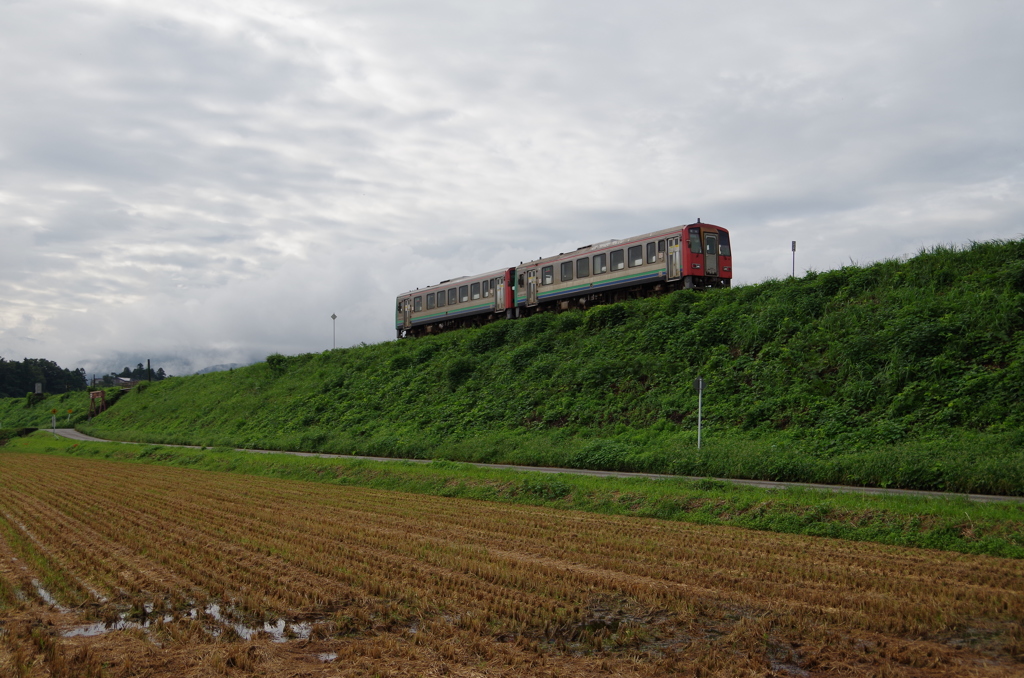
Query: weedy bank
[(118, 569), (903, 374)]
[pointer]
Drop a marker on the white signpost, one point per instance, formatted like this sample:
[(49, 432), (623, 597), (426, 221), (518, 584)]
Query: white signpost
[(700, 385)]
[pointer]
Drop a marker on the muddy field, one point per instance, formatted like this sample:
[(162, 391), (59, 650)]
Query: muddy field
[(130, 570)]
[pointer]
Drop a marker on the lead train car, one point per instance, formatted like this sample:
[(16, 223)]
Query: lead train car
[(695, 256)]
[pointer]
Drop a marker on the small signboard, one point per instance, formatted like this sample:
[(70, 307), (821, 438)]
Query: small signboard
[(39, 388), (700, 384)]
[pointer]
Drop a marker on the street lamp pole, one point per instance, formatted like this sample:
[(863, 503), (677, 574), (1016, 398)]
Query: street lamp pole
[(334, 321)]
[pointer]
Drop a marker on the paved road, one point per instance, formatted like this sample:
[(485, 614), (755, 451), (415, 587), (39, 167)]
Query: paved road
[(770, 484)]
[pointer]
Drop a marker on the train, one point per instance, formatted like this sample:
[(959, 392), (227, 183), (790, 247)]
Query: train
[(694, 256)]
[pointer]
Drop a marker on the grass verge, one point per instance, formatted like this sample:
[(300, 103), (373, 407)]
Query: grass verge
[(954, 524)]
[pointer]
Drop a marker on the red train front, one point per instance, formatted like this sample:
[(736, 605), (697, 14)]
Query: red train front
[(707, 256)]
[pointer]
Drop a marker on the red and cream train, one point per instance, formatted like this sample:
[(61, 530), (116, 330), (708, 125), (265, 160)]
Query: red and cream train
[(695, 256)]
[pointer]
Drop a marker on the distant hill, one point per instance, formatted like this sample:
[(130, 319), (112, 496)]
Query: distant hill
[(906, 373)]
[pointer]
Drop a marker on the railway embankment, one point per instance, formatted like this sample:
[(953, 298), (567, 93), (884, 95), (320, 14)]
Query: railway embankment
[(905, 373)]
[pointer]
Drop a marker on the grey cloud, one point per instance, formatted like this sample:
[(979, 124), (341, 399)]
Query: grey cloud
[(215, 180)]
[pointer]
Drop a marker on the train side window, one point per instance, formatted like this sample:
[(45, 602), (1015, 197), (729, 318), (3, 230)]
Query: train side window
[(583, 267), (723, 244), (487, 288), (452, 298), (636, 256), (566, 270), (652, 253), (547, 275), (600, 264), (440, 299), (430, 301), (522, 280), (695, 241), (463, 293), (618, 260), (661, 247), (474, 291), (417, 303)]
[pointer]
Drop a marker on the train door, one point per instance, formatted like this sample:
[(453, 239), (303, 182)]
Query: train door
[(531, 287), (498, 289), (710, 254), (407, 314), (673, 269)]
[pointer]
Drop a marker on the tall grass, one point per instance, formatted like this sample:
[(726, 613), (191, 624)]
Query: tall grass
[(902, 373)]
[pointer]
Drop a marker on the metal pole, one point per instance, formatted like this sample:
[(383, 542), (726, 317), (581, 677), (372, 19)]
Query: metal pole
[(700, 399), (794, 258), (334, 322)]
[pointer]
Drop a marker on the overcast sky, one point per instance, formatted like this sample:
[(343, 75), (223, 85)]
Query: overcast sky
[(203, 182)]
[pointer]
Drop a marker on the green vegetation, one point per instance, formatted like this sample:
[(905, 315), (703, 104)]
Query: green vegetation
[(902, 374), (20, 377), (955, 524), (36, 411)]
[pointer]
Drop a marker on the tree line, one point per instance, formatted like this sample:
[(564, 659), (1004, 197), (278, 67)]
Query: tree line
[(140, 373), (20, 377)]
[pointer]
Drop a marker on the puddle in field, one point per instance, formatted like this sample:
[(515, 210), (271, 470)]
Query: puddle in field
[(47, 596), (279, 631), (327, 656)]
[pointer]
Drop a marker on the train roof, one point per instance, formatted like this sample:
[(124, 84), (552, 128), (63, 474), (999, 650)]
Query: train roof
[(607, 244), (604, 244), (455, 281)]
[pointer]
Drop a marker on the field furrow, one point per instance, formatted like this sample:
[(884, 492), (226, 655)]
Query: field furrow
[(195, 564)]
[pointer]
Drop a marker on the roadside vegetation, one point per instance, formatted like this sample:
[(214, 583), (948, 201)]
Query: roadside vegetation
[(953, 524), (902, 374), (36, 411)]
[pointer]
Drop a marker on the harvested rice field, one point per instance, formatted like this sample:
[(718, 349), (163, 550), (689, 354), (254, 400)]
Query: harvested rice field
[(113, 569)]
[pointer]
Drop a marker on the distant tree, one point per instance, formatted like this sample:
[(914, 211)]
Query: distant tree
[(20, 377), (140, 373)]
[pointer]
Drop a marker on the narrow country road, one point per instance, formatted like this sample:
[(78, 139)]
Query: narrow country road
[(769, 484)]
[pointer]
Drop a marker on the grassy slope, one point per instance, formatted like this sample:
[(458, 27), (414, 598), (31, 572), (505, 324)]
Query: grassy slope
[(950, 524), (903, 373), (16, 412)]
